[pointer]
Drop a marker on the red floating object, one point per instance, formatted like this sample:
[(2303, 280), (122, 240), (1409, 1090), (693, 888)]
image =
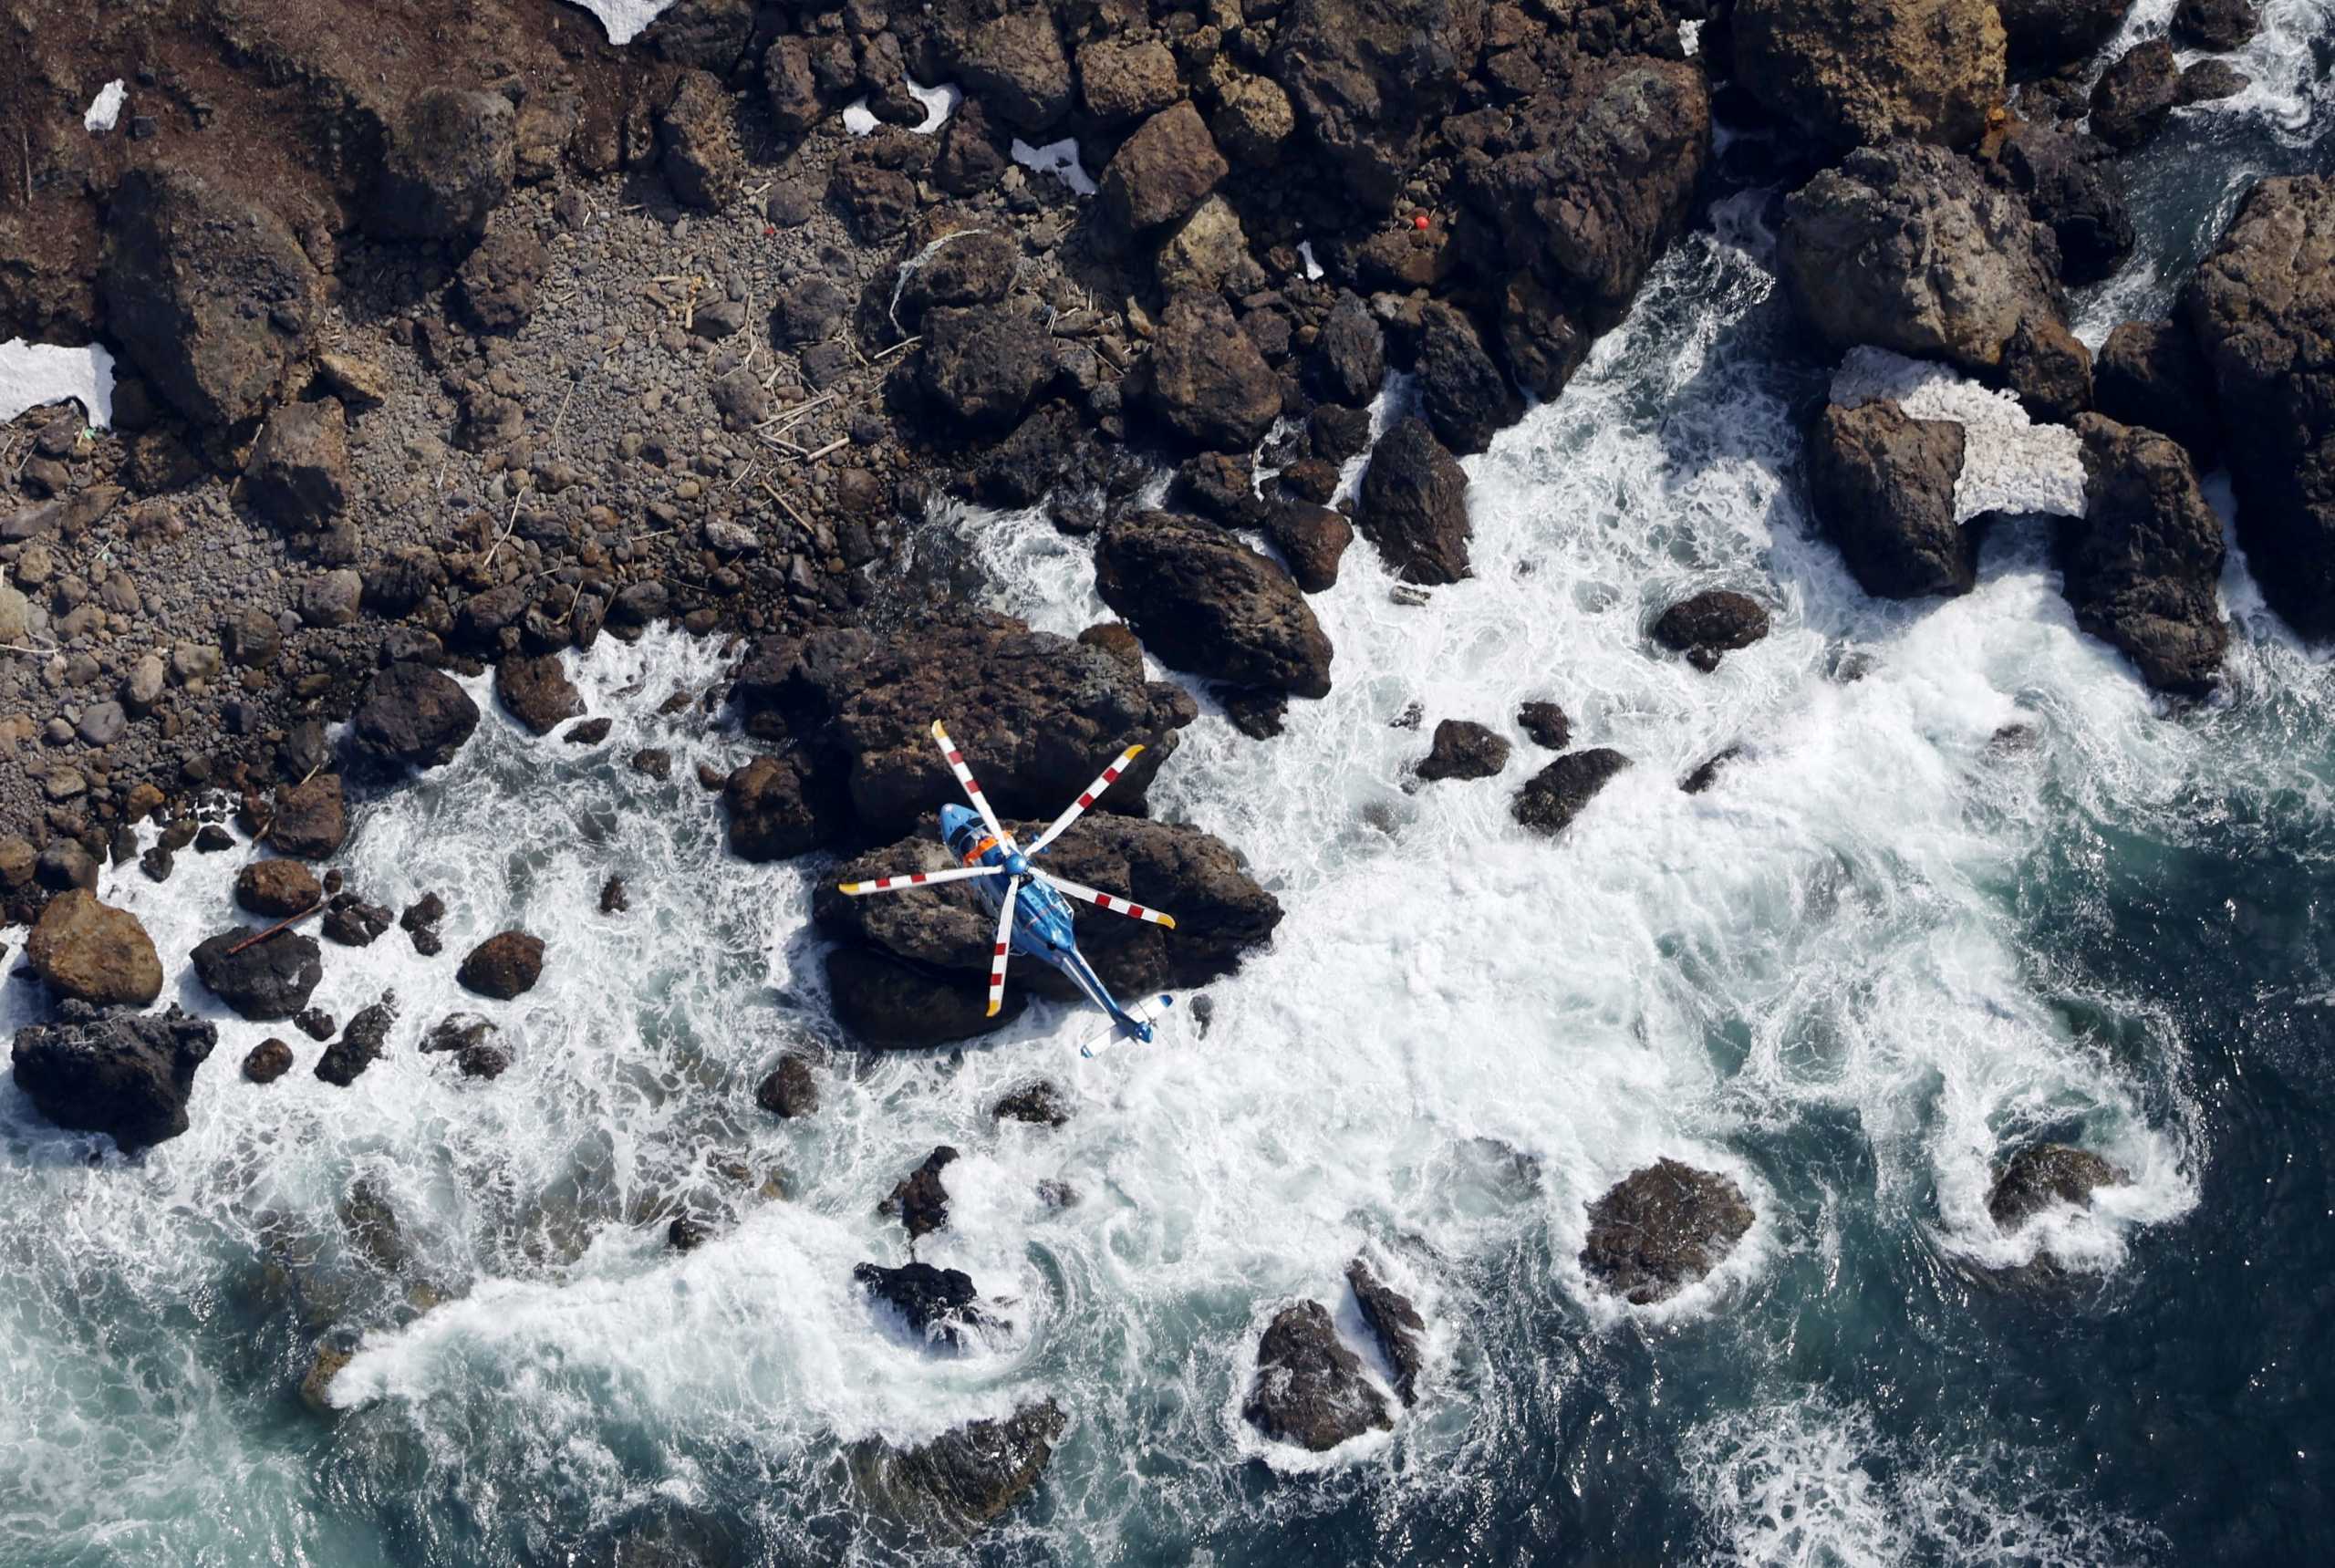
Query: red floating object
[(1418, 221)]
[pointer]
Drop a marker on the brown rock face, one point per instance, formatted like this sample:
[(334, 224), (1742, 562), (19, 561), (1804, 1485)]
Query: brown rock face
[(2143, 565), (277, 888), (503, 966), (310, 819), (1883, 487), (963, 1479), (1662, 1229), (1203, 601), (2042, 1175), (1864, 72), (1309, 1388), (1368, 77), (1164, 170), (94, 952), (1206, 381), (1414, 505)]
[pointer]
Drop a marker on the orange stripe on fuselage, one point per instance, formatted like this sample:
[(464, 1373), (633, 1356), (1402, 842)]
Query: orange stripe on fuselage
[(978, 850)]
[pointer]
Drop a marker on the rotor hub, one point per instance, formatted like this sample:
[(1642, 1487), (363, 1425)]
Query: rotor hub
[(1017, 865)]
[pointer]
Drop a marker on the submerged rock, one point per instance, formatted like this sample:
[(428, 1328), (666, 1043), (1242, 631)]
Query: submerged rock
[(506, 965), (1463, 749), (1546, 723), (92, 953), (126, 1077), (1400, 1331), (964, 1479), (1040, 1103), (1553, 797), (790, 1090), (1709, 625), (1310, 1389), (537, 692), (2143, 565), (2044, 1174), (919, 1201), (269, 980), (1883, 486), (1662, 1229), (269, 1061), (1203, 601), (359, 1046), (940, 1304)]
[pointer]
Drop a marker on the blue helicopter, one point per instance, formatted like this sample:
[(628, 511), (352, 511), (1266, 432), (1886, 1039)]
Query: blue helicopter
[(1031, 918)]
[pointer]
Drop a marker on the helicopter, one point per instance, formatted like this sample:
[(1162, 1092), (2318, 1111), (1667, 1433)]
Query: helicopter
[(1032, 916)]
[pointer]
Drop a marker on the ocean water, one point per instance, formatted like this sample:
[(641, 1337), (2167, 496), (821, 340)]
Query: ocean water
[(1967, 885)]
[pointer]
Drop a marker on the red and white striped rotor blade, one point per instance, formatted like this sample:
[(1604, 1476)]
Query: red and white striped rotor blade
[(973, 789), (1094, 793), (908, 879), (1002, 947), (1110, 901)]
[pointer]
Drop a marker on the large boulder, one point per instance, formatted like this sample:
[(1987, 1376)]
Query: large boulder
[(1164, 170), (1310, 1389), (1395, 1323), (1119, 80), (298, 475), (895, 1007), (1203, 601), (2070, 183), (1414, 505), (1349, 361), (310, 819), (1862, 72), (2133, 96), (1707, 625), (941, 1306), (93, 952), (2150, 373), (920, 1200), (1661, 1229), (1036, 715), (506, 965), (1907, 248), (1553, 797), (2142, 565), (1881, 486), (2262, 308), (982, 365), (2042, 35), (264, 981), (448, 163), (777, 809), (963, 1479), (1014, 62), (128, 1076), (1464, 396), (535, 689), (1462, 749), (412, 716), (696, 144), (208, 295), (2043, 1175), (1205, 379), (1369, 77)]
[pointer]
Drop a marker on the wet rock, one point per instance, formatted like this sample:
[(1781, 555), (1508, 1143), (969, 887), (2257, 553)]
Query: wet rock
[(537, 692), (1463, 750), (1164, 170), (268, 980), (66, 865), (412, 716), (1553, 797), (498, 281), (315, 1022), (2219, 26), (919, 1201), (981, 367), (359, 1046), (2133, 96), (1707, 625), (2262, 310), (1414, 505), (1204, 602), (652, 762), (1040, 1103), (2150, 373), (128, 1076), (1662, 1229), (2070, 183), (1204, 378), (2042, 1174), (1864, 72), (209, 297), (615, 900), (354, 923), (775, 810), (1368, 77), (449, 164), (969, 1476), (310, 819), (470, 1041), (2143, 565), (2042, 35), (92, 953), (1312, 540), (267, 1061), (1400, 1331), (1883, 487), (1349, 361), (1465, 397), (506, 965), (1310, 1389), (1907, 248), (790, 1090), (1546, 723), (939, 1304), (1706, 773), (892, 1005), (588, 732), (2203, 81)]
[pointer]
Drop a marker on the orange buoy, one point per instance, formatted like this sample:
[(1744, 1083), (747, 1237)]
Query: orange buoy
[(1418, 221)]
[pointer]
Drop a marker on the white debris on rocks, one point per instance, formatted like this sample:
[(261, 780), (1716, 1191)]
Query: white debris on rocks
[(2009, 463), (857, 118), (624, 19), (32, 374), (939, 103), (105, 110), (1056, 157)]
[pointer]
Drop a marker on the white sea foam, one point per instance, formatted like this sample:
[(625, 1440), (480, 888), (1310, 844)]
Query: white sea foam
[(32, 374)]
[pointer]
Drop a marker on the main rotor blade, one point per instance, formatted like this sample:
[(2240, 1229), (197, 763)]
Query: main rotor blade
[(1093, 791), (907, 879), (972, 791), (1110, 901), (1004, 945)]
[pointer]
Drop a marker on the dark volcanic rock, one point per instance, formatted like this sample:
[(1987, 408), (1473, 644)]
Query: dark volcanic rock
[(982, 365), (267, 1061), (1014, 62), (2070, 183), (310, 819), (126, 1077), (1463, 749), (2262, 307), (1204, 602), (506, 965), (268, 980), (1310, 1389), (359, 1046), (1164, 170), (535, 691), (2132, 97), (2220, 26), (412, 716), (2150, 373), (2042, 1175), (1204, 378), (1883, 487), (1864, 72), (963, 1479), (1553, 797), (940, 1304), (697, 145), (1040, 1103), (92, 953), (210, 297), (297, 475), (1349, 361), (1396, 1324), (774, 810), (499, 279), (1312, 540), (919, 1201), (449, 164), (2143, 565), (1368, 77), (1546, 723), (789, 1090), (884, 1003), (1414, 505), (1465, 397), (1706, 626), (1662, 1229), (2045, 35)]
